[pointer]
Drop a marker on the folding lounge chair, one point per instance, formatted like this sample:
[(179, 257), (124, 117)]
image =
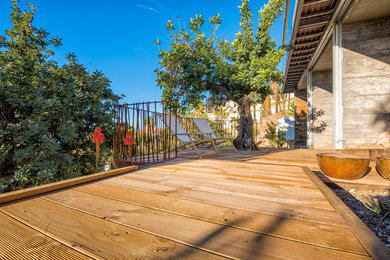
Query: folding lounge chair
[(184, 137), (204, 128)]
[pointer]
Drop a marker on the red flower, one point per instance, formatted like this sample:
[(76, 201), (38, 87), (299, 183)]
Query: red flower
[(98, 136), (129, 140)]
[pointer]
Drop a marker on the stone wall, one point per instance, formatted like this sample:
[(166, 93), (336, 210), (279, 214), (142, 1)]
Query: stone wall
[(322, 129), (366, 80)]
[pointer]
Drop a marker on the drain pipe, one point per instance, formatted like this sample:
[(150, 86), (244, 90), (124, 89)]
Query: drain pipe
[(285, 21), (338, 138)]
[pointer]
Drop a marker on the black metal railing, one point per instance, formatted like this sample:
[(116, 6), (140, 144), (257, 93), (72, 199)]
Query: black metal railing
[(153, 131), (148, 124)]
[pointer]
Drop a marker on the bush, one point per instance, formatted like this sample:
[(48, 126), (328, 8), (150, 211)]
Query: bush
[(48, 112), (277, 138)]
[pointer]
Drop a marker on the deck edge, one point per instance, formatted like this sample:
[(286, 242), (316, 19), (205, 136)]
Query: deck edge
[(24, 193), (368, 239)]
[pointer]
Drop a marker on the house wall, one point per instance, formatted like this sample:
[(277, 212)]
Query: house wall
[(366, 80), (322, 100)]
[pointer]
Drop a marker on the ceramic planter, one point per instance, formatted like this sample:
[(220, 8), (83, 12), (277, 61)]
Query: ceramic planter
[(383, 166), (343, 166)]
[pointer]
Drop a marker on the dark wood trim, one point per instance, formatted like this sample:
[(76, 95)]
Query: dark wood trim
[(20, 194)]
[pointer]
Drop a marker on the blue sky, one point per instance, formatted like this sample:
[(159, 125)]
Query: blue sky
[(116, 36)]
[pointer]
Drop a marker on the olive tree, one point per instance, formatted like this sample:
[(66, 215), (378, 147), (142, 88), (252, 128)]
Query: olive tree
[(198, 64)]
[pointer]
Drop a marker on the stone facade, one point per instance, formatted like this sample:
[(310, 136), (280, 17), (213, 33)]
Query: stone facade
[(322, 129), (366, 80)]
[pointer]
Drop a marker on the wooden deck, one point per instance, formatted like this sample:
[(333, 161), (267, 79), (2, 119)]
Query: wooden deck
[(246, 205)]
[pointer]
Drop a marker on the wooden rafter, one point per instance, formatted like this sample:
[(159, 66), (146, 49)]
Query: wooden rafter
[(307, 23), (310, 2), (305, 43), (316, 14), (303, 36), (301, 55)]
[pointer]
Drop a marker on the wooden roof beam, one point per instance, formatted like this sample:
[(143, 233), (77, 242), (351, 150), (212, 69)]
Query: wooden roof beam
[(307, 23), (308, 35), (294, 74), (310, 2), (301, 55), (303, 50), (304, 63), (305, 43), (297, 68), (294, 79), (316, 14), (299, 62)]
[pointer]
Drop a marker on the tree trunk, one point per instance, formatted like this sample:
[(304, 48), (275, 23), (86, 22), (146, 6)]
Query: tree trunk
[(244, 140)]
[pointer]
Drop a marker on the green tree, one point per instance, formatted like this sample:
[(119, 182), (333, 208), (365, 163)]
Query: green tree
[(198, 63), (47, 112)]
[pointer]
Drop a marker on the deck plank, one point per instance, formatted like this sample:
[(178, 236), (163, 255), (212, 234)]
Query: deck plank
[(240, 181), (96, 235), (237, 172), (331, 236), (226, 166), (269, 181), (201, 177), (228, 199), (18, 241), (224, 187), (209, 236)]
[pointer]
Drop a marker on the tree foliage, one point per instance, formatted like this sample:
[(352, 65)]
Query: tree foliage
[(198, 63), (47, 112)]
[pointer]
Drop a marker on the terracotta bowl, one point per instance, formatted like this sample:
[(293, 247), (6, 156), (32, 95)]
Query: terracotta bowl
[(343, 166), (383, 166)]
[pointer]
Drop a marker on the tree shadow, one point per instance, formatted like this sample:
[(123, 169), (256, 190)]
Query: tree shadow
[(318, 127), (383, 115), (255, 243), (213, 235)]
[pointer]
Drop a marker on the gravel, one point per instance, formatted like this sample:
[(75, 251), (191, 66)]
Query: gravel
[(357, 198)]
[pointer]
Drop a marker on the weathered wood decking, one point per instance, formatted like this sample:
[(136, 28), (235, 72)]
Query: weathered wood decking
[(237, 205)]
